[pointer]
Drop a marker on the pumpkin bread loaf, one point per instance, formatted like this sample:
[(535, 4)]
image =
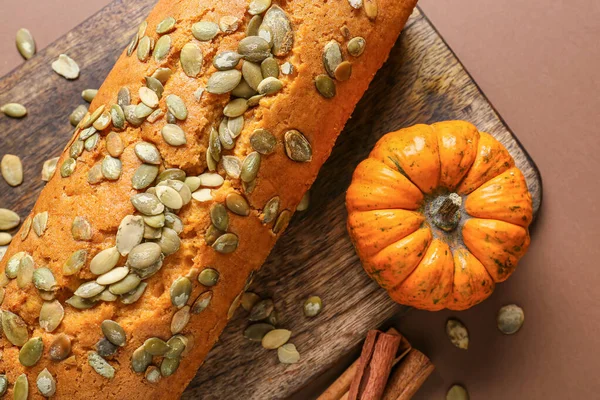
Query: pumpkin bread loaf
[(174, 188)]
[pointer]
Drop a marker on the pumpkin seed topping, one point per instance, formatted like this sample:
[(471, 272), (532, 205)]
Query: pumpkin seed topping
[(113, 276), (252, 74), (219, 217), (166, 25), (250, 167), (269, 86), (356, 4), (124, 97), (232, 166), (208, 277), (261, 310), (222, 82), (169, 366), (181, 289), (270, 68), (254, 25), (40, 223), (256, 332), (202, 195), (155, 221), (343, 71), (148, 97), (153, 374), (212, 234), (8, 219), (104, 348), (21, 388), (60, 348), (229, 23), (81, 229), (162, 75), (3, 385), (14, 328), (276, 338), (171, 118), (332, 57), (25, 43), (143, 256), (143, 50), (155, 85), (326, 86), (356, 46), (142, 111), (134, 295), (297, 146), (191, 59), (126, 285), (76, 149), (282, 221), (173, 174), (130, 233), (113, 332), (201, 302), (80, 303), (254, 48), (177, 107), (89, 94), (66, 67), (74, 263), (371, 8), (111, 168), (283, 35), (226, 243), (51, 315), (169, 242), (457, 392), (91, 142), (5, 239), (198, 93), (258, 6), (104, 261), (263, 141), (12, 169), (87, 132), (271, 210), (25, 272), (31, 352), (48, 170), (77, 115), (193, 183), (313, 306), (235, 108), (243, 90), (140, 360), (237, 204), (142, 28), (249, 300), (46, 383), (14, 110), (169, 197), (510, 319), (288, 354), (177, 345), (265, 33), (162, 48), (304, 202), (100, 365), (205, 30), (44, 279), (173, 135), (156, 114), (147, 153), (457, 333), (13, 264), (174, 222), (180, 320), (144, 176), (287, 68), (88, 290), (226, 60), (132, 45)]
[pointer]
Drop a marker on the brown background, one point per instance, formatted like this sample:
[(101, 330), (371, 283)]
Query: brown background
[(539, 65)]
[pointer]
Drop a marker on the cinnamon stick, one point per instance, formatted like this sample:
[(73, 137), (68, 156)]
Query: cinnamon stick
[(375, 365), (408, 376)]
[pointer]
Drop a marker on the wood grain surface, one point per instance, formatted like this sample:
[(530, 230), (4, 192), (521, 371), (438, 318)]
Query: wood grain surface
[(422, 82)]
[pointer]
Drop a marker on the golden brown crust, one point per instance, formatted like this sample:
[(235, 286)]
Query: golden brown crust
[(297, 106)]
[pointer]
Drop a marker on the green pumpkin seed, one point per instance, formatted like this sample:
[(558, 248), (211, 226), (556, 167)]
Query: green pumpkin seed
[(100, 365), (254, 25), (343, 72), (76, 149), (249, 300), (74, 263), (147, 204), (40, 223), (212, 234), (156, 347), (155, 85), (261, 310), (25, 43), (12, 267), (276, 338), (169, 366), (111, 168), (89, 94), (180, 320), (254, 48), (51, 315), (225, 138), (77, 115), (68, 167), (457, 333), (169, 197), (252, 74), (226, 243), (332, 57), (124, 97), (269, 86), (143, 256), (31, 352), (3, 385), (282, 221), (263, 141), (153, 374), (14, 328), (174, 174), (214, 144), (81, 229), (130, 115), (201, 302), (144, 176), (326, 86), (46, 383), (226, 60), (173, 135), (86, 133), (270, 68), (237, 204), (235, 108), (162, 48), (248, 187), (256, 332), (313, 306), (117, 116), (222, 82), (104, 261), (191, 59), (177, 345), (271, 210), (283, 35), (371, 9), (181, 289), (457, 392), (273, 319), (232, 166), (107, 296), (219, 217), (66, 67), (140, 360), (91, 142), (88, 290), (265, 33), (129, 283), (243, 90), (356, 46), (21, 388), (208, 277), (80, 303), (155, 221), (48, 170), (510, 319), (255, 100), (162, 75), (104, 348), (229, 23), (205, 30), (258, 6), (148, 97), (5, 239), (169, 242), (134, 295), (60, 347), (151, 233), (25, 272), (142, 28), (147, 153), (297, 146), (166, 25), (177, 107), (288, 354), (8, 219), (142, 111), (112, 276), (130, 233), (44, 279), (193, 183), (174, 222), (250, 167), (132, 45)]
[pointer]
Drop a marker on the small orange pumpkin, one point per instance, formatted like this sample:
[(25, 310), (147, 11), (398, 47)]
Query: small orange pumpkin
[(439, 214)]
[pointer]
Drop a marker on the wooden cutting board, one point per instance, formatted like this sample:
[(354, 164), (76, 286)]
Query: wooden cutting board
[(422, 82)]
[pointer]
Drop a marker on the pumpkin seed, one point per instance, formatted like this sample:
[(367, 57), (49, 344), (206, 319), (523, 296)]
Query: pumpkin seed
[(112, 276), (166, 25), (155, 221), (254, 25), (297, 146), (142, 28), (46, 383), (156, 114), (273, 319), (143, 50), (226, 243), (222, 82), (287, 68), (212, 234), (44, 279), (211, 164), (243, 90), (156, 347), (126, 285), (255, 100), (162, 48), (256, 332), (343, 71), (5, 239), (148, 97), (104, 348), (371, 8), (169, 366), (143, 256), (326, 86), (235, 108), (282, 221), (88, 290), (25, 43), (140, 360), (205, 30), (202, 195), (208, 277), (134, 295), (132, 45), (48, 170), (12, 169), (177, 107), (234, 305), (14, 110), (249, 187), (66, 67), (8, 219), (269, 86), (254, 48), (144, 176), (31, 352), (332, 57), (283, 35), (173, 135), (219, 217), (51, 315), (356, 46), (249, 300), (193, 183), (198, 93), (177, 345), (107, 296), (80, 303), (180, 320), (14, 328), (304, 202), (232, 166), (155, 86), (181, 289), (21, 388), (225, 138), (100, 365), (12, 267), (60, 347), (266, 34), (252, 74), (270, 68), (173, 174), (258, 6), (147, 153), (3, 385), (77, 115), (457, 392), (81, 229), (142, 111), (86, 133), (74, 263), (226, 60), (76, 149), (91, 142), (162, 75), (271, 210), (214, 144), (169, 242), (111, 168), (191, 59), (510, 319), (250, 167), (174, 222), (276, 338), (229, 23), (357, 4), (263, 141), (89, 94), (457, 333), (169, 197), (288, 354), (25, 272), (124, 97), (237, 204), (153, 374), (261, 310), (313, 306), (104, 261), (345, 31), (130, 233), (151, 233)]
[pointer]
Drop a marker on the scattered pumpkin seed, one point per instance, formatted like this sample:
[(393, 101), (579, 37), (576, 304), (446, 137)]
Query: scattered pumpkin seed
[(276, 338), (287, 68), (87, 132), (256, 332), (232, 166), (326, 86), (261, 310), (144, 176), (172, 173), (100, 365), (31, 352), (143, 256), (288, 354), (181, 289), (134, 295), (214, 144), (269, 86), (169, 366), (171, 118), (173, 135), (14, 328), (76, 149), (46, 383), (226, 243), (44, 279), (81, 229), (147, 153), (371, 8), (60, 347), (156, 347), (155, 221), (112, 276), (180, 320), (91, 142), (258, 6), (148, 97), (177, 345), (169, 197), (249, 187), (162, 48), (263, 141), (13, 264), (235, 108), (249, 300), (132, 45), (40, 223), (343, 71), (226, 60), (104, 261), (151, 233), (104, 348), (124, 97), (25, 272), (202, 195), (142, 111), (166, 25), (254, 48), (510, 319), (273, 319), (153, 374), (89, 94), (193, 183), (255, 100), (162, 75), (140, 360), (252, 74), (130, 233), (282, 221), (237, 204), (313, 306), (265, 33), (48, 170), (88, 290), (356, 46), (457, 392), (5, 239), (8, 219), (21, 388), (191, 59), (283, 35), (177, 107), (271, 210), (225, 138), (66, 67), (111, 168), (457, 333), (25, 43), (14, 110), (212, 234), (198, 93), (229, 23), (243, 90), (222, 82), (80, 303), (332, 57), (126, 285), (357, 4), (250, 167), (74, 263), (304, 202), (254, 25), (297, 146), (219, 217), (51, 315), (77, 115), (270, 68), (143, 49), (156, 114), (12, 169), (208, 277), (201, 302), (142, 28)]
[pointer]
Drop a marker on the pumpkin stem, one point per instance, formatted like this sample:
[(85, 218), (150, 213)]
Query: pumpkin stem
[(447, 214)]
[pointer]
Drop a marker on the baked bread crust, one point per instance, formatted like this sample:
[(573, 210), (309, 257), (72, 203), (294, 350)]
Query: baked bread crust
[(104, 205)]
